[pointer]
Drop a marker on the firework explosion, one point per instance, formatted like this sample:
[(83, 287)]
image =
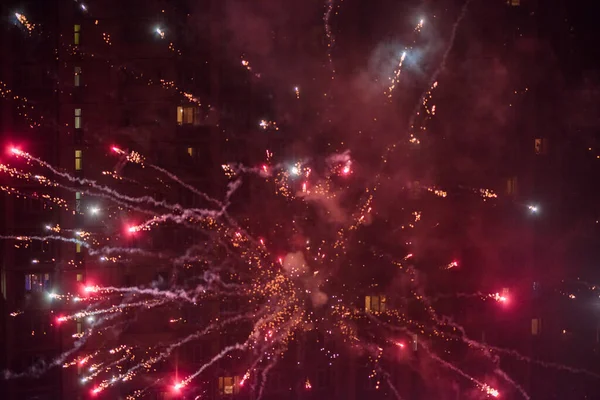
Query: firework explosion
[(280, 289)]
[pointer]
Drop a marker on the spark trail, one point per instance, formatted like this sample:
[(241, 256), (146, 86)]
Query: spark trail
[(289, 271)]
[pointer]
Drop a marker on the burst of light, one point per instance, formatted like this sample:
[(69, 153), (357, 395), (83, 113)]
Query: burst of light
[(94, 210), (178, 386), (490, 390), (295, 170), (16, 151), (533, 208), (400, 344), (307, 385), (160, 32), (90, 289), (83, 7)]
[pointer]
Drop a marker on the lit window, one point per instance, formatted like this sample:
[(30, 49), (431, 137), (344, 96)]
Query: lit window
[(78, 118), (188, 115), (77, 34), (77, 76), (79, 326), (513, 2), (511, 186), (375, 303), (37, 282), (77, 247), (79, 277), (229, 385), (536, 326), (78, 159), (190, 151), (541, 146)]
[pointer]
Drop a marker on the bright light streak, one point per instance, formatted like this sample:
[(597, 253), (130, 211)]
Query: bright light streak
[(94, 210), (533, 208), (295, 171)]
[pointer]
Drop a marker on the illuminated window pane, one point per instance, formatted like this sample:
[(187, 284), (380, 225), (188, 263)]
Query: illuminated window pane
[(77, 34), (190, 151), (536, 326), (77, 195), (375, 303), (79, 326), (229, 385), (78, 118), (78, 247), (78, 160), (77, 77), (79, 277), (179, 115), (188, 115)]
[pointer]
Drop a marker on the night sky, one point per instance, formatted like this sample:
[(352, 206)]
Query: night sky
[(320, 199)]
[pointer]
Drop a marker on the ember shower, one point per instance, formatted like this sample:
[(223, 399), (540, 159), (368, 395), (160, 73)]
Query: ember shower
[(309, 245)]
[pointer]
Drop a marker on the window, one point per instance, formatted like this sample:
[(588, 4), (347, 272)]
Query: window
[(77, 197), (78, 157), (77, 34), (188, 115), (536, 326), (190, 151), (229, 385), (77, 247), (78, 118), (541, 146), (37, 282), (77, 76), (79, 325), (375, 303), (513, 3), (79, 277), (511, 186)]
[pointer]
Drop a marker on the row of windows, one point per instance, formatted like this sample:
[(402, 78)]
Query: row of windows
[(189, 115), (37, 283), (40, 282), (185, 115)]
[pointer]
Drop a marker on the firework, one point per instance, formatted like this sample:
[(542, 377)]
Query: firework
[(284, 290)]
